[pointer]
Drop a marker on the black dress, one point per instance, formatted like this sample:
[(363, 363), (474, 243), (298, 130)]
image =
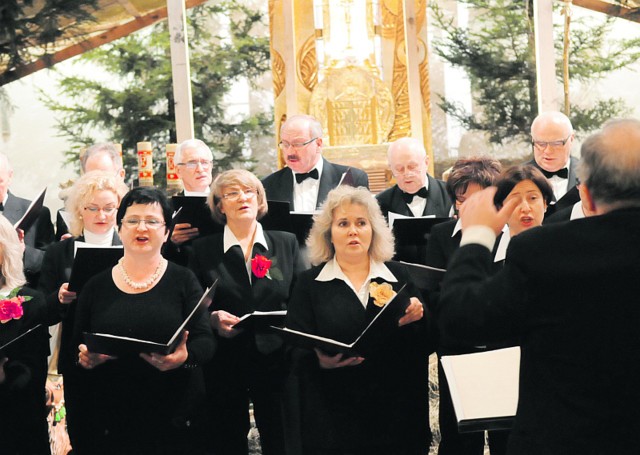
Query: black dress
[(128, 405), (378, 407), (23, 414)]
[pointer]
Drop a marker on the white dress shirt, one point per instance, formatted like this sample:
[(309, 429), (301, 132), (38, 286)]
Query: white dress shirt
[(229, 239), (332, 271), (305, 194)]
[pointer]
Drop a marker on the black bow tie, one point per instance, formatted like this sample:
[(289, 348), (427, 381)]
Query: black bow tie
[(313, 174), (408, 198), (562, 173)]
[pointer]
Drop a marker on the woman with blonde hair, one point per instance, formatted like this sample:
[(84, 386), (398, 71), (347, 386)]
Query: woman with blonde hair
[(353, 405), (23, 365), (93, 202), (256, 271)]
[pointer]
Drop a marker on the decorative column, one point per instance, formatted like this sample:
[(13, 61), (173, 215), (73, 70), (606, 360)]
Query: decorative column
[(145, 164)]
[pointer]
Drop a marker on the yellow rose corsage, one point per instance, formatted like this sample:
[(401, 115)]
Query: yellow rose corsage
[(381, 293)]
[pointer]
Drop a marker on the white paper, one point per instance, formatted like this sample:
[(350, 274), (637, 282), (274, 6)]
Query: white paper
[(395, 216), (484, 384)]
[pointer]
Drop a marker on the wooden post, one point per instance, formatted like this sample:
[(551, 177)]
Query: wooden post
[(413, 74), (180, 69)]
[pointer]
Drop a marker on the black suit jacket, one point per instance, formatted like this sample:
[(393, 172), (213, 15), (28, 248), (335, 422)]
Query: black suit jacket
[(571, 196), (236, 295), (279, 185), (381, 403), (438, 201), (56, 270), (438, 204), (570, 290), (37, 237)]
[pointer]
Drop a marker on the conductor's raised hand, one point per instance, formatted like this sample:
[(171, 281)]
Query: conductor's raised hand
[(479, 210), (337, 361), (171, 361), (414, 312), (222, 322), (89, 360)]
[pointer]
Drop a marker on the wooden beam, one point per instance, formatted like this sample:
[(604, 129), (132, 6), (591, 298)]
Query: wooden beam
[(621, 11), (93, 42)]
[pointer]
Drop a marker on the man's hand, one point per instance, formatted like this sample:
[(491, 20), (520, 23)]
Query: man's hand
[(183, 232), (222, 322), (479, 210)]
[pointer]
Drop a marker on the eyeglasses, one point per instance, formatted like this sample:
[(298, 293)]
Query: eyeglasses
[(150, 223), (105, 210), (541, 145), (284, 145), (235, 195), (205, 164), (411, 168)]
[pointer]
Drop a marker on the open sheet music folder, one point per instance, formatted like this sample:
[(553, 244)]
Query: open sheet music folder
[(32, 213), (8, 344), (116, 345), (484, 388), (384, 323), (261, 320)]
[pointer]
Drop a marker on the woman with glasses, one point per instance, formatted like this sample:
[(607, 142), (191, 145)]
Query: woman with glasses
[(256, 271), (93, 201), (146, 403)]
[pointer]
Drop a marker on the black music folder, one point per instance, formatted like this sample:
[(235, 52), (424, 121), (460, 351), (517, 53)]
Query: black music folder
[(484, 388), (261, 320), (414, 231), (195, 211), (90, 261), (15, 341), (116, 345), (32, 213), (280, 218), (367, 343)]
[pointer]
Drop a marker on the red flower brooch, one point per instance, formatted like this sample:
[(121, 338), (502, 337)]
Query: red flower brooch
[(11, 306), (261, 267)]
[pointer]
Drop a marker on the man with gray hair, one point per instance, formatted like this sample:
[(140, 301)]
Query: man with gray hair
[(416, 193), (308, 177), (38, 236), (569, 291), (194, 162), (98, 157)]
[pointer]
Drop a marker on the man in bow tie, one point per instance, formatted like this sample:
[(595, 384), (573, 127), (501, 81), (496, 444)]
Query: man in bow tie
[(416, 193), (552, 137), (308, 177)]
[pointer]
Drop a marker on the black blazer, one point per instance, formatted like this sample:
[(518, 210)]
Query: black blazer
[(37, 237), (438, 201), (56, 269), (235, 294), (23, 424), (380, 404), (279, 185), (570, 290), (571, 196)]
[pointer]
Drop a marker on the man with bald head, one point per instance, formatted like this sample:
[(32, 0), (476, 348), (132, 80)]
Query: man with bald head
[(416, 193), (552, 137), (569, 291), (308, 177)]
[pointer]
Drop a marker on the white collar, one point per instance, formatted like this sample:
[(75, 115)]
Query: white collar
[(501, 252), (229, 238), (319, 166), (332, 271), (197, 193), (576, 211), (98, 239)]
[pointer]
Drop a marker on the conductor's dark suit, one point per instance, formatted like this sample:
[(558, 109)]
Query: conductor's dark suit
[(251, 364), (570, 290), (37, 237), (279, 185)]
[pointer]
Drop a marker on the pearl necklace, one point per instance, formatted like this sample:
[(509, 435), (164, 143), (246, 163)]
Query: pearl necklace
[(144, 284)]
